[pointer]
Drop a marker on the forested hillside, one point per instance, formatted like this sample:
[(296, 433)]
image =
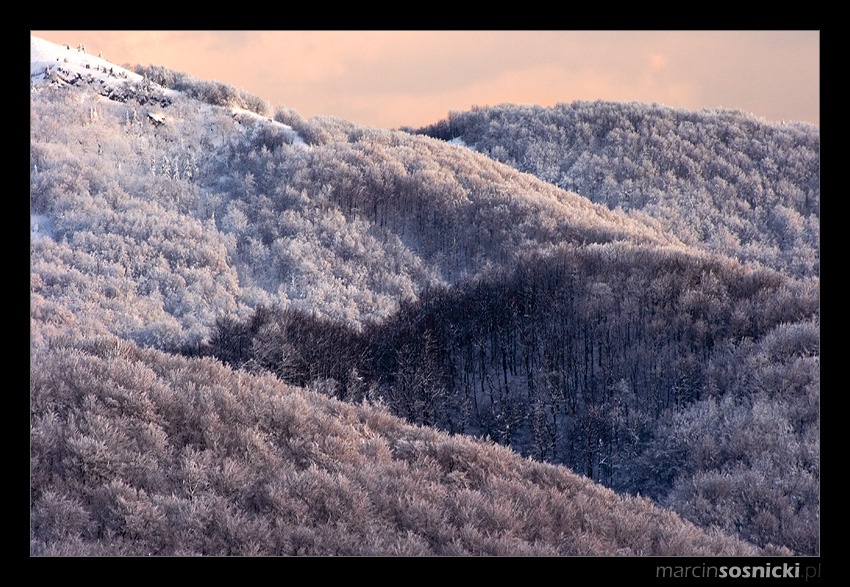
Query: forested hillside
[(137, 453), (691, 380), (722, 180), (365, 277)]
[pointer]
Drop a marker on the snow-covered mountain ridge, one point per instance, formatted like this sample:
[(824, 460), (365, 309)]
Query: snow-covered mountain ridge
[(459, 290), (53, 63)]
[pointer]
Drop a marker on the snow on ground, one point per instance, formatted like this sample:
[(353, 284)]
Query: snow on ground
[(293, 136), (47, 58)]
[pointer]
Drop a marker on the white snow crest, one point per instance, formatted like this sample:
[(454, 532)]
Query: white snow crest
[(47, 58)]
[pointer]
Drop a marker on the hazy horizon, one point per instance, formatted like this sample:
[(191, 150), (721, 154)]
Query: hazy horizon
[(413, 78)]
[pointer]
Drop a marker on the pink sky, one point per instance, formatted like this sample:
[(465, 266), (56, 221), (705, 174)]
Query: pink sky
[(396, 78)]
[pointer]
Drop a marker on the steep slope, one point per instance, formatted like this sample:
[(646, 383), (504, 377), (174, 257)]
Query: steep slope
[(138, 453)]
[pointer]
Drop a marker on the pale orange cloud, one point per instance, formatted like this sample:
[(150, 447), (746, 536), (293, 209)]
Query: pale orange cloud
[(395, 78), (657, 61)]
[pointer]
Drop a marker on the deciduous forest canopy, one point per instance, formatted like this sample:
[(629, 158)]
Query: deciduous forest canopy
[(590, 329)]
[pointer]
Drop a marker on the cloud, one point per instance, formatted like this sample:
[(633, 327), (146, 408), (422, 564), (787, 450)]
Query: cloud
[(395, 78)]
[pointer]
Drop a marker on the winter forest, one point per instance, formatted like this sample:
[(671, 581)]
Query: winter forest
[(591, 329)]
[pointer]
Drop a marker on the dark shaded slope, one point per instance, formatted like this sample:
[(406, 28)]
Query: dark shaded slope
[(592, 357)]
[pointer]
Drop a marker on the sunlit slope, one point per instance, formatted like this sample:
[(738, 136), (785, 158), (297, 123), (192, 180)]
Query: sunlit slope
[(167, 209)]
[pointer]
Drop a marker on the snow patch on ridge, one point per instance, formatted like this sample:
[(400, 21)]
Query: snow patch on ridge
[(47, 59)]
